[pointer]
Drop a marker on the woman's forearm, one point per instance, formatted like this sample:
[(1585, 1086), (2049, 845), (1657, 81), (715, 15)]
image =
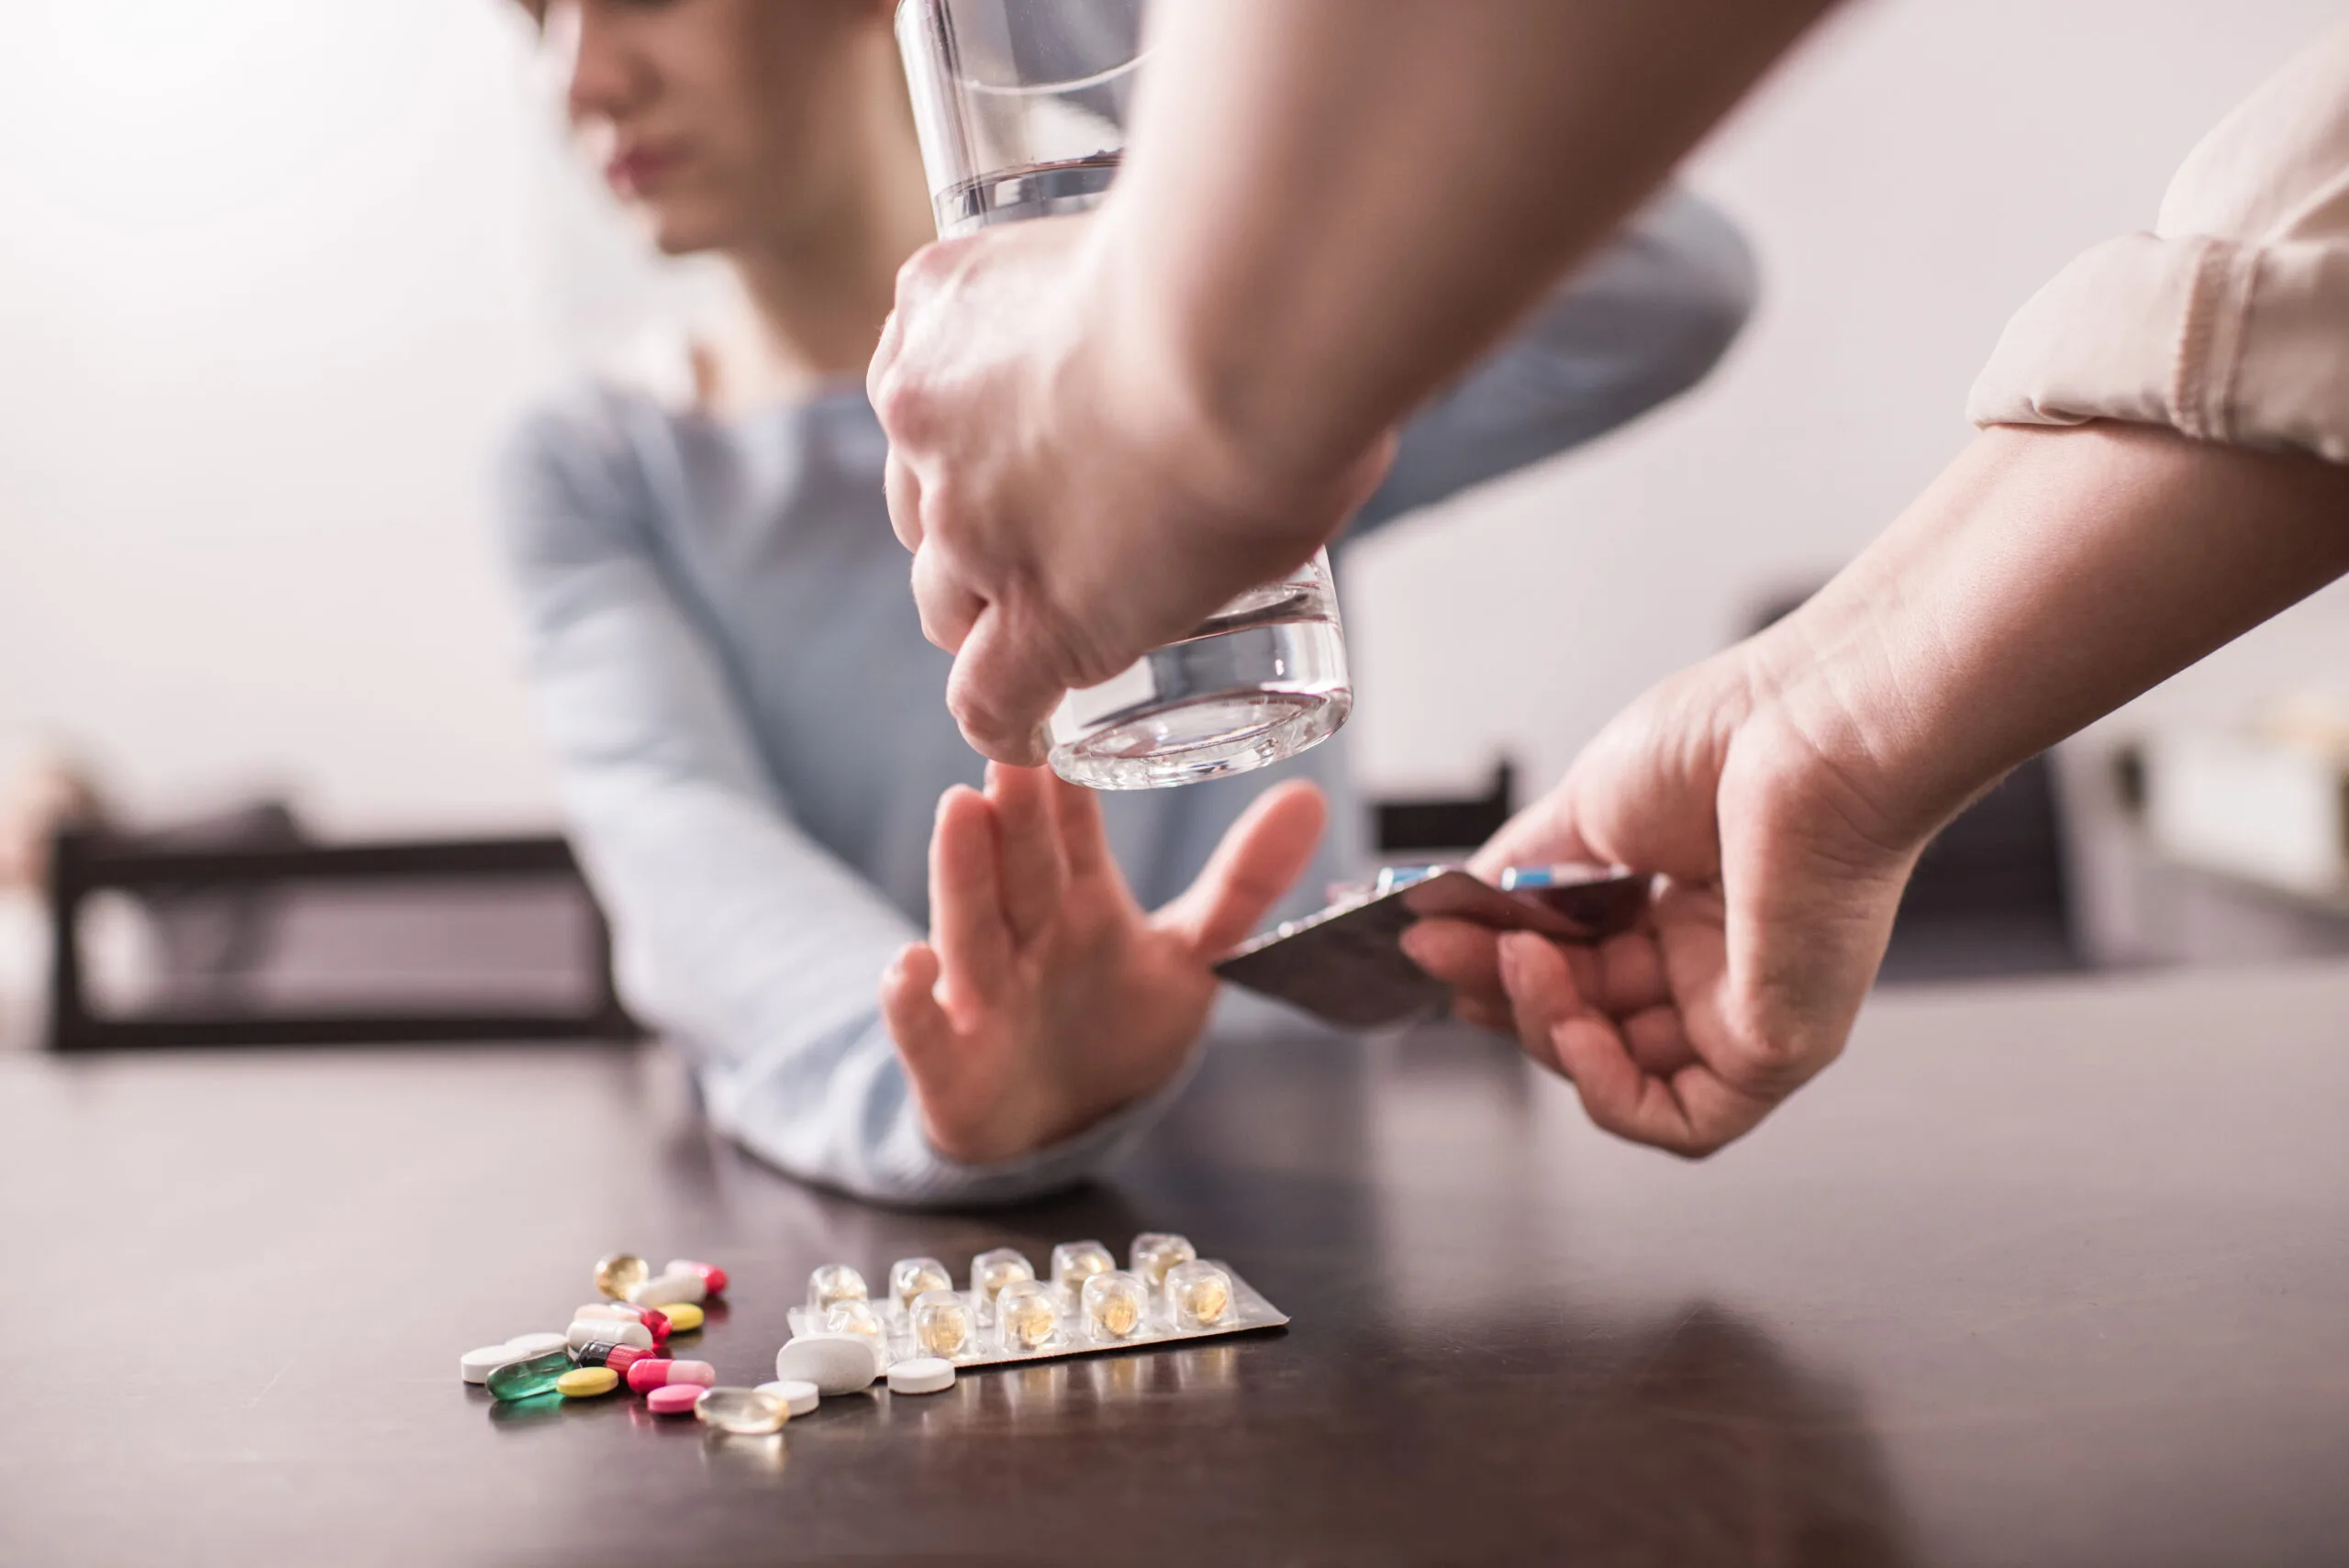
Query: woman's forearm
[(2044, 579), (1332, 207)]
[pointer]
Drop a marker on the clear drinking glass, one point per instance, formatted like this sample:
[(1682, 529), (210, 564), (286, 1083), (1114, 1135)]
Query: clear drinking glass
[(1021, 106)]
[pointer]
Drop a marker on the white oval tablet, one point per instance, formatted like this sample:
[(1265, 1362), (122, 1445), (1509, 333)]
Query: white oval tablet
[(921, 1375), (478, 1364), (800, 1397), (835, 1363), (527, 1345)]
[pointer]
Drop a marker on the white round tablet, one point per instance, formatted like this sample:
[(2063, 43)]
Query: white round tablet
[(835, 1363), (921, 1375), (536, 1344), (800, 1397), (478, 1364)]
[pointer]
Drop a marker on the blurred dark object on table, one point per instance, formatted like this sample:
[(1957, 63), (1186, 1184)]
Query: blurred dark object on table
[(260, 937)]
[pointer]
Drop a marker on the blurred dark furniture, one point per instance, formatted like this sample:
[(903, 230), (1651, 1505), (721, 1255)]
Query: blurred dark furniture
[(1428, 827), (255, 928)]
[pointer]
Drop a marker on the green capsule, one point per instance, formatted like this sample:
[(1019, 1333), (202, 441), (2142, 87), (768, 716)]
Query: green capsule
[(529, 1379)]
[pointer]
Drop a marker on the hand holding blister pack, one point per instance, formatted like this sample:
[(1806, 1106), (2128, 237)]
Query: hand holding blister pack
[(1346, 963)]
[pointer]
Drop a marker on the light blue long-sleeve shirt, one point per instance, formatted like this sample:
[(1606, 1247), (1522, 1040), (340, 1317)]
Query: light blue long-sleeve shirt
[(751, 735)]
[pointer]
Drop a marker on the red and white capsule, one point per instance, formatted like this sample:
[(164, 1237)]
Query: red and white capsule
[(655, 1321), (712, 1277)]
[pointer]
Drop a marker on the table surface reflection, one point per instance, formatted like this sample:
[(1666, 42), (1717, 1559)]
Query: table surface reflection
[(2055, 1273)]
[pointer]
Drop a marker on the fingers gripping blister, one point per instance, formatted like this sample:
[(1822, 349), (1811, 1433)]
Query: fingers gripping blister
[(1006, 1313), (1346, 962)]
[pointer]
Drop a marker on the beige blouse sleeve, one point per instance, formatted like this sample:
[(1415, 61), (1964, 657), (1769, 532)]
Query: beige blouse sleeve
[(2230, 322)]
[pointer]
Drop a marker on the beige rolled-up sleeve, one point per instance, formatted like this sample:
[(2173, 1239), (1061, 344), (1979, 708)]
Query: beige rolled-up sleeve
[(2230, 321)]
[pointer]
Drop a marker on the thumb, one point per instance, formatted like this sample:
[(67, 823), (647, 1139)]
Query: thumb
[(1259, 858), (1544, 833), (925, 1035), (1002, 690)]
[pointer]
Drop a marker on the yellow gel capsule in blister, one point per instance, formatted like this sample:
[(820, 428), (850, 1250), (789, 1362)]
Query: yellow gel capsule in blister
[(943, 1325), (1073, 1263), (911, 1278), (1113, 1305), (990, 1272), (1155, 1252), (854, 1317), (1025, 1317), (1199, 1294), (833, 1282)]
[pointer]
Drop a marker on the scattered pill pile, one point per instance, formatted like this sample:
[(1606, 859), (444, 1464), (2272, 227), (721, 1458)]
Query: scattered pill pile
[(842, 1340)]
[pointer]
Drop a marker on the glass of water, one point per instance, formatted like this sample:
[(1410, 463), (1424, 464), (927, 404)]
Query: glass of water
[(1022, 107)]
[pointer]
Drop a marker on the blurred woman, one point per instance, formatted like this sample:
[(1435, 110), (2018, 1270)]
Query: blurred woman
[(749, 726)]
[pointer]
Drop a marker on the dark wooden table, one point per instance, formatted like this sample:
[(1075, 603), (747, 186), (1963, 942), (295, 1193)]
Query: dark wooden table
[(2045, 1275)]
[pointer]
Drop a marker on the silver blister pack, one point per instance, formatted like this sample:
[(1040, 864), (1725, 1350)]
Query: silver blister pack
[(1005, 1312)]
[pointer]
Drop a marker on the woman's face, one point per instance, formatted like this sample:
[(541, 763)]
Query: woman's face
[(721, 121)]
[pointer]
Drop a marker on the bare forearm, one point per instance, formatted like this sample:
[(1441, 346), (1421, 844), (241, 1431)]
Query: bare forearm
[(2047, 577), (1304, 169)]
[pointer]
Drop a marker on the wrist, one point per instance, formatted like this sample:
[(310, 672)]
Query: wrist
[(1182, 374)]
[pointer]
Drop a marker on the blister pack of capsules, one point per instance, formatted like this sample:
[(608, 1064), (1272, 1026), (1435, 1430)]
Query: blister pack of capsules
[(1006, 1312)]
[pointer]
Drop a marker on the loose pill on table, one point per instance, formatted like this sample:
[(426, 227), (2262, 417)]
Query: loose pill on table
[(478, 1364), (617, 1331), (610, 1354), (679, 1318), (835, 1363), (660, 1372), (662, 1290), (529, 1379), (536, 1344), (586, 1382), (674, 1399), (712, 1276), (745, 1412), (799, 1396), (620, 1273), (921, 1375)]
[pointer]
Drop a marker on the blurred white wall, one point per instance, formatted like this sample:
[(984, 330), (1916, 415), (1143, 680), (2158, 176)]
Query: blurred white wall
[(1909, 180), (274, 272), (267, 293)]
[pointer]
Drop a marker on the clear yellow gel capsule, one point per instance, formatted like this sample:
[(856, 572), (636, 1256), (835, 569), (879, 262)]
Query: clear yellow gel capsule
[(911, 1278), (1073, 1263), (943, 1324), (684, 1317), (586, 1382), (834, 1283), (1155, 1252), (1025, 1317), (745, 1412), (620, 1273), (1113, 1305), (1197, 1294)]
